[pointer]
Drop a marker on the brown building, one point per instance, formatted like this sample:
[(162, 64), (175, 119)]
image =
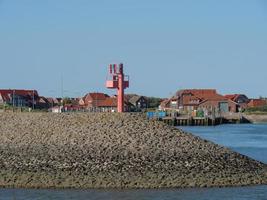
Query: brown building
[(110, 105), (256, 103), (169, 104), (92, 100), (42, 103), (219, 104), (53, 101), (19, 98), (241, 100), (100, 102), (139, 102)]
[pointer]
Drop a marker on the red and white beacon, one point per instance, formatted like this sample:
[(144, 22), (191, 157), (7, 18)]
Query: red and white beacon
[(117, 80)]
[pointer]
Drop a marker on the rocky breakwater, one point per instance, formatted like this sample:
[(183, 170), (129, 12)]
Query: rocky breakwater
[(109, 150)]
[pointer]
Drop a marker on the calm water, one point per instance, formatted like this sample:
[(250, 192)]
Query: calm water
[(250, 140)]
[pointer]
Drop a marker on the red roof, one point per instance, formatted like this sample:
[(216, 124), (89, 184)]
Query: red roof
[(7, 94), (214, 97), (203, 94), (164, 103), (233, 97), (20, 92), (52, 100), (95, 96), (108, 102), (191, 100), (198, 96)]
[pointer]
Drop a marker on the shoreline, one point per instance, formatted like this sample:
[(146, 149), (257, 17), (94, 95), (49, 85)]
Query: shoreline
[(256, 118), (117, 151)]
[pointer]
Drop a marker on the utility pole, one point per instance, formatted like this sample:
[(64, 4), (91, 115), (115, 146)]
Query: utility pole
[(62, 91)]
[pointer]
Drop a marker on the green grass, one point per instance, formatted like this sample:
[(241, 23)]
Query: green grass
[(257, 110)]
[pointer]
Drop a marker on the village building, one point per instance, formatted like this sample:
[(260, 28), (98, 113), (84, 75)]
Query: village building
[(241, 100), (53, 101), (256, 103), (56, 109), (139, 102), (110, 105), (219, 104), (101, 102), (92, 100), (42, 103), (169, 104), (18, 98)]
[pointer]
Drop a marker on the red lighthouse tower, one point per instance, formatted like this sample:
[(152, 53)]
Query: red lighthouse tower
[(118, 81)]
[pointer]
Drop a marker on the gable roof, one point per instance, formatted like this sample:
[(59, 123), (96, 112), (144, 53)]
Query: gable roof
[(52, 100), (197, 92), (19, 92), (191, 100), (111, 102), (136, 98), (96, 96), (43, 100), (108, 102), (7, 94), (231, 96), (164, 103), (234, 97), (202, 93), (127, 97)]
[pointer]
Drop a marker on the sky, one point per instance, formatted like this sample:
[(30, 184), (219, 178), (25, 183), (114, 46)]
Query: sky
[(165, 45)]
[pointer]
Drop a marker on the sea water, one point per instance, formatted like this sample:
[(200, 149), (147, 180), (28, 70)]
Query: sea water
[(247, 139)]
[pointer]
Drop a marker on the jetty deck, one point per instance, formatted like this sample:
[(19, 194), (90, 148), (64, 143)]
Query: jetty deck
[(192, 121), (204, 121)]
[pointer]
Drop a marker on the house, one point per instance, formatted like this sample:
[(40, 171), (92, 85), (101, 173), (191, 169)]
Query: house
[(5, 99), (42, 103), (81, 101), (218, 103), (53, 101), (139, 102), (256, 103), (19, 98), (101, 102), (92, 100), (169, 104), (241, 100), (56, 109), (164, 104), (110, 105), (72, 108)]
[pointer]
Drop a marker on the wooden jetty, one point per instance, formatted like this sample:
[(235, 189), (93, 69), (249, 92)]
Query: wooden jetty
[(192, 121), (211, 120), (202, 121)]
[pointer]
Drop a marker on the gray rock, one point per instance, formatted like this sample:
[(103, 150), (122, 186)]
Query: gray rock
[(111, 150)]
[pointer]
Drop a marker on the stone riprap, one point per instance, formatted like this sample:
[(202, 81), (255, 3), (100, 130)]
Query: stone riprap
[(110, 150)]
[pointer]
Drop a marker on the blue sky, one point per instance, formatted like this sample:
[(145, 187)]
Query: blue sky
[(165, 45)]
